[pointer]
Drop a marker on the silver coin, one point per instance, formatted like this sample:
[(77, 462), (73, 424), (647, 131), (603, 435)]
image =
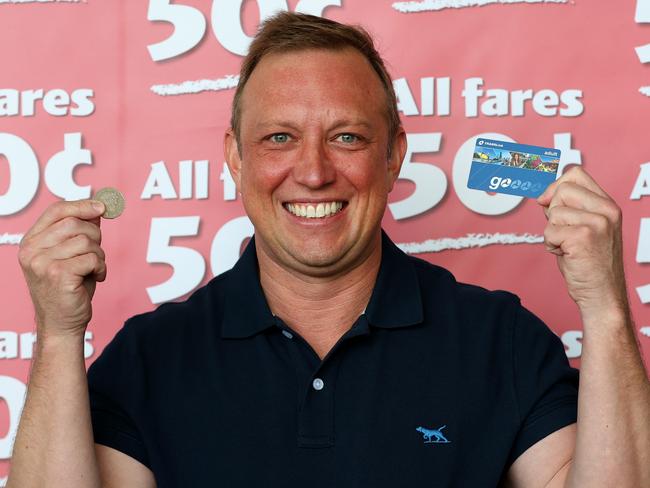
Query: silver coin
[(113, 200)]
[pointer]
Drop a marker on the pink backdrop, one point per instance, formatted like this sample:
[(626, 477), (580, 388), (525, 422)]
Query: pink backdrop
[(137, 95)]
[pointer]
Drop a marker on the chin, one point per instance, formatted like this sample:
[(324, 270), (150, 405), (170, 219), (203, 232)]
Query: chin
[(316, 255), (317, 259)]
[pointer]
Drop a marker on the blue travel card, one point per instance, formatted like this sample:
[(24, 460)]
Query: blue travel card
[(515, 169)]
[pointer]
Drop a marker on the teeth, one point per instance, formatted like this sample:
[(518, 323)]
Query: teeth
[(319, 211)]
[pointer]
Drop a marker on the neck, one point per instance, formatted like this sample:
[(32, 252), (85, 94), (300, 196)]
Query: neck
[(319, 308)]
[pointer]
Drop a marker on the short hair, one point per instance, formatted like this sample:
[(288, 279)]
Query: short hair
[(286, 31)]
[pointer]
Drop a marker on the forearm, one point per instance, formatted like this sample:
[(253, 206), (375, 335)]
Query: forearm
[(613, 435), (54, 445)]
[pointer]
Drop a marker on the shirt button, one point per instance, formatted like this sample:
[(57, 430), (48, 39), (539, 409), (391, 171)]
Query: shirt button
[(318, 384), (287, 334)]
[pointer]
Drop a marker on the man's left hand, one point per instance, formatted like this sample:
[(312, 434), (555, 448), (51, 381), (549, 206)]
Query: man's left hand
[(584, 232)]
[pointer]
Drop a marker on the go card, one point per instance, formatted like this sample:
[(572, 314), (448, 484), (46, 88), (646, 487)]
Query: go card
[(515, 169)]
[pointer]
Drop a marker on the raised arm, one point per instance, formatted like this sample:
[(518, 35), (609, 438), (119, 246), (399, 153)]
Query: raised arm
[(611, 444), (62, 260)]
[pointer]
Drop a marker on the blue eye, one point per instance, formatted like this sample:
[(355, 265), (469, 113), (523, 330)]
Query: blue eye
[(348, 138), (279, 138)]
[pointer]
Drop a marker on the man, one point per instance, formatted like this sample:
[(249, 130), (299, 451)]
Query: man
[(327, 357)]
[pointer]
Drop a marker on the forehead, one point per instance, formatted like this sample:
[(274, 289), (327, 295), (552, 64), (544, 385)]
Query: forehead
[(314, 79)]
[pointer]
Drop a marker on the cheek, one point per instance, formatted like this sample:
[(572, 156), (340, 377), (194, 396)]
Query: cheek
[(261, 173), (367, 174)]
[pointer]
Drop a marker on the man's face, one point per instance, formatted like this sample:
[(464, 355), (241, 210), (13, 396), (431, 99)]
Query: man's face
[(313, 170)]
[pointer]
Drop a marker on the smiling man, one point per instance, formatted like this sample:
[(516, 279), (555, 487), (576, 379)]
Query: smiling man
[(326, 357), (314, 156)]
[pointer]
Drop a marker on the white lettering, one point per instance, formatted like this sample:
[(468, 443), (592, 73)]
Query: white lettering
[(189, 28), (13, 392), (13, 346), (23, 174), (193, 181), (443, 96), (643, 256), (188, 265), (572, 340), (471, 94), (519, 98), (226, 244), (642, 185), (84, 104), (500, 102), (27, 341), (201, 179), (56, 102), (158, 183), (185, 175), (8, 344), (496, 103), (28, 101), (545, 103), (427, 93), (574, 107), (405, 101), (9, 102), (59, 171), (430, 181), (229, 187)]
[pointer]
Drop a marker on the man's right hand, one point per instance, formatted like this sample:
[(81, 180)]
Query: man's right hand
[(62, 260)]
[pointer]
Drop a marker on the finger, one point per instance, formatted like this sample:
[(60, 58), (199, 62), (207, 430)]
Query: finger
[(568, 239), (569, 216), (75, 246), (43, 262), (85, 265), (554, 237), (575, 175), (545, 198), (578, 175), (576, 196), (82, 209), (65, 229)]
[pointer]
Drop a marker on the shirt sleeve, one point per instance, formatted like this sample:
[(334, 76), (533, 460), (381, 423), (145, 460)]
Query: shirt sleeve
[(114, 386), (546, 386)]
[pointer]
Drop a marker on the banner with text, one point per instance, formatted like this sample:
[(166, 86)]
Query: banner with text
[(137, 95)]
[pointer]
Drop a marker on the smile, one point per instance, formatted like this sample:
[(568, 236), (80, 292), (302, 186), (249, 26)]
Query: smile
[(314, 211)]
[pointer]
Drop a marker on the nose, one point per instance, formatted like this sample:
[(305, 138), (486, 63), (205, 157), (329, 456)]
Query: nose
[(313, 167)]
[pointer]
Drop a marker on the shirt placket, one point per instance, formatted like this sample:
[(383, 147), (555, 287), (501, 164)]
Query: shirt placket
[(317, 386)]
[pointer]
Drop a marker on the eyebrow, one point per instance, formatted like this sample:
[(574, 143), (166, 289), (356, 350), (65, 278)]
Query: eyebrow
[(274, 123), (337, 124), (352, 122)]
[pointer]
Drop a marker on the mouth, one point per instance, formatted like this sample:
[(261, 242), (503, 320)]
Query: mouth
[(320, 210)]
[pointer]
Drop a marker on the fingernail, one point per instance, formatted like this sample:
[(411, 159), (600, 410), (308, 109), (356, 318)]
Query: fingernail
[(99, 206)]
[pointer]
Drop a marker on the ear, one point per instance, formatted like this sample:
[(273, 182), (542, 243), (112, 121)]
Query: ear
[(396, 157), (233, 158)]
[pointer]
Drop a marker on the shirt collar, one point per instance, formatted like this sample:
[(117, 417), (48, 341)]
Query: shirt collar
[(246, 311), (395, 301)]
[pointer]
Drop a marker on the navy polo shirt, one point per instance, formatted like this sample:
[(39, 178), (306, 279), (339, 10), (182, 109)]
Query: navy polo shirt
[(438, 383)]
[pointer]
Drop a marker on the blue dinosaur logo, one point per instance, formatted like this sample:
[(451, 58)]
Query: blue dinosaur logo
[(430, 434)]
